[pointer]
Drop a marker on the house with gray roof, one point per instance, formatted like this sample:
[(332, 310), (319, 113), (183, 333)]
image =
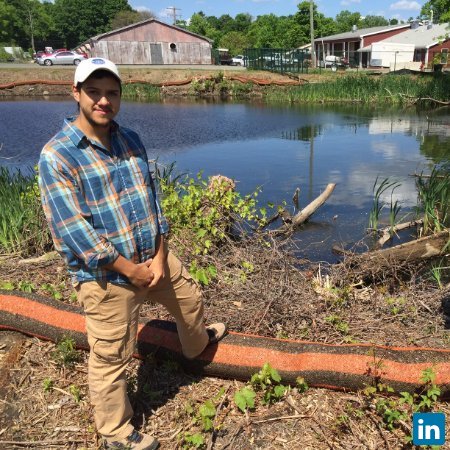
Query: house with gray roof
[(347, 44), (431, 43)]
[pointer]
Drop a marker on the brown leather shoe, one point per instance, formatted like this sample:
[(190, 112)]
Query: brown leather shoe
[(216, 331)]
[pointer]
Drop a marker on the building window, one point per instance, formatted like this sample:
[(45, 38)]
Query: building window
[(444, 56), (173, 46)]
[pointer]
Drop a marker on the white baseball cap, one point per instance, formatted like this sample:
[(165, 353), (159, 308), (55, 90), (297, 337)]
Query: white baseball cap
[(88, 66)]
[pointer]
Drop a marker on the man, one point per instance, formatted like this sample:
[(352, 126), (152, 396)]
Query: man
[(106, 222)]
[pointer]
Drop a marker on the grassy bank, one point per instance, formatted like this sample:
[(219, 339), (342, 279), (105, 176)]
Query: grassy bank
[(364, 88), (388, 89)]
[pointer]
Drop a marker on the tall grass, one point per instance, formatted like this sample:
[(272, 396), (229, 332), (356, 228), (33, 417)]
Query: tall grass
[(378, 204), (434, 198), (23, 228), (141, 91), (363, 88)]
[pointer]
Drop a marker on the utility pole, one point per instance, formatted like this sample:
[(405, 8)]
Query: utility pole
[(173, 13), (311, 23)]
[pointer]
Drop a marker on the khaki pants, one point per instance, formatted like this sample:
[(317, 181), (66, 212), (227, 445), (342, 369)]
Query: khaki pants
[(112, 313)]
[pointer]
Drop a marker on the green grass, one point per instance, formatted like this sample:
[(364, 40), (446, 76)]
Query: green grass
[(434, 198), (362, 88), (141, 91), (23, 228)]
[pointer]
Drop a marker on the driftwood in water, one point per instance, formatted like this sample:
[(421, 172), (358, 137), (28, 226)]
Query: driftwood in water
[(290, 222), (376, 262), (306, 212)]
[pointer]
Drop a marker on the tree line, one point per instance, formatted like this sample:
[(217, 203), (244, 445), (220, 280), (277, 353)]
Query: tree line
[(33, 24)]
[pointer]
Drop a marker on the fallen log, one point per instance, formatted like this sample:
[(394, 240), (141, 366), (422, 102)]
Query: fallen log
[(388, 232), (370, 263)]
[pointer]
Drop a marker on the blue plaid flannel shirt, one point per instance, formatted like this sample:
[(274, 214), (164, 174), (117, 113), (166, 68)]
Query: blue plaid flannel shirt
[(99, 204)]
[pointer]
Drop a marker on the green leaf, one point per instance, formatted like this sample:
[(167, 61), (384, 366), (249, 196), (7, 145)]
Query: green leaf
[(212, 271), (200, 275), (274, 374), (279, 390), (207, 409), (245, 398), (6, 286), (196, 440)]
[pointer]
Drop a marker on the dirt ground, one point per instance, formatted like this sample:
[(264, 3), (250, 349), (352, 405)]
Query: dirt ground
[(45, 405)]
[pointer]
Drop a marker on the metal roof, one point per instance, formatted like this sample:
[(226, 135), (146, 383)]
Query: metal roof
[(423, 36), (358, 34)]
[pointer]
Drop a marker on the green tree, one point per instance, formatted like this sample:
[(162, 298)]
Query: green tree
[(8, 17), (242, 22), (375, 21), (289, 34), (441, 10), (200, 24), (124, 18), (79, 20), (226, 23), (345, 21), (235, 41), (323, 26), (23, 21), (262, 31)]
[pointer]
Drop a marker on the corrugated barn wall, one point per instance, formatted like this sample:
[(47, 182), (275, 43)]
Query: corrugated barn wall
[(150, 42)]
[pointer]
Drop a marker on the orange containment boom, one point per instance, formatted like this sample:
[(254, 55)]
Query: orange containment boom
[(241, 79), (238, 356)]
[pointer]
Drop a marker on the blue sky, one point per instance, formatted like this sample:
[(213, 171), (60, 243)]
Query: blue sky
[(399, 9)]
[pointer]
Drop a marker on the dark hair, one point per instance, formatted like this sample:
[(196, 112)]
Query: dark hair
[(99, 74)]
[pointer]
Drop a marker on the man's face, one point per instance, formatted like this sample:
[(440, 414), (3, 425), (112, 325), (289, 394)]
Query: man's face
[(99, 100)]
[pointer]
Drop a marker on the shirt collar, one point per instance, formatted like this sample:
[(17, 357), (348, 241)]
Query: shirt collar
[(76, 135)]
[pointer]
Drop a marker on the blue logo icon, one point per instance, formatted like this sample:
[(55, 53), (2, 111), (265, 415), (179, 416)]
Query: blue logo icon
[(429, 429), (98, 61)]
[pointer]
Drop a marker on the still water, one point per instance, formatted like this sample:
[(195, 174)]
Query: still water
[(277, 148)]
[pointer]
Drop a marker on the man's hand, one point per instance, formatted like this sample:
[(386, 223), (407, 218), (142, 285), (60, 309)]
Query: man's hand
[(157, 268), (146, 274), (142, 275), (157, 263)]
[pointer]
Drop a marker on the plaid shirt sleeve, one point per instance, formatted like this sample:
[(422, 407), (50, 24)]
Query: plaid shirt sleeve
[(68, 215)]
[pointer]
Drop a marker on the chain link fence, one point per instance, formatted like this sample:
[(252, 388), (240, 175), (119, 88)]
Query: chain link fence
[(278, 60)]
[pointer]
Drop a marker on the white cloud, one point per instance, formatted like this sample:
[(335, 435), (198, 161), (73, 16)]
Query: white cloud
[(349, 2), (405, 4), (164, 13), (142, 9)]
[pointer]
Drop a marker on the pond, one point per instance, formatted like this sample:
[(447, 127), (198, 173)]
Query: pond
[(277, 148)]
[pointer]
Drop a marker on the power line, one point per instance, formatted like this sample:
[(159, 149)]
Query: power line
[(174, 14)]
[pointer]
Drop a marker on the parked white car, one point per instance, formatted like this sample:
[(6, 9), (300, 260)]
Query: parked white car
[(238, 60), (63, 57)]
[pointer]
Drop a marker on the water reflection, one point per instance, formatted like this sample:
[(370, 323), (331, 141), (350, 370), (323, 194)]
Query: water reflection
[(279, 148)]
